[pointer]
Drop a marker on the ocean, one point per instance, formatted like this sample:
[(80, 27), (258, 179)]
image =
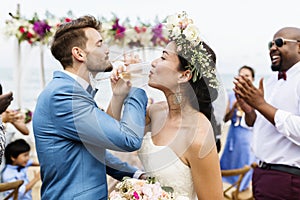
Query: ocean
[(31, 85), (28, 74)]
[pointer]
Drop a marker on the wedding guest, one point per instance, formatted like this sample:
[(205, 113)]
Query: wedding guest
[(13, 124), (179, 148), (17, 120), (17, 163), (273, 109), (72, 134), (237, 151), (5, 100)]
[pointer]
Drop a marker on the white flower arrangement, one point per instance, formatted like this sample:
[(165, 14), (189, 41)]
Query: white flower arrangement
[(186, 35), (137, 189), (33, 30)]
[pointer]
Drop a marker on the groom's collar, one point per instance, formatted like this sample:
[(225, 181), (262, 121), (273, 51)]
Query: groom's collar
[(84, 84)]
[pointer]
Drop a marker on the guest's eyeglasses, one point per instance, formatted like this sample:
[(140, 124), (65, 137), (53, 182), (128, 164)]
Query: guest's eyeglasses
[(279, 42)]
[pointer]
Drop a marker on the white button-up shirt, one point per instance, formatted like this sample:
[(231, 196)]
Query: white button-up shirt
[(280, 144)]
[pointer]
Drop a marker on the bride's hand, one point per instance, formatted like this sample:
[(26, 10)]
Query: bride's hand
[(143, 176), (119, 86)]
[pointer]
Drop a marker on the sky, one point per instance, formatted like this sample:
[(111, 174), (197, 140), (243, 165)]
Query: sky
[(237, 30)]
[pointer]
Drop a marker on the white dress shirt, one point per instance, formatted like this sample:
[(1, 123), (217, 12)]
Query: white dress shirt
[(280, 144), (80, 80)]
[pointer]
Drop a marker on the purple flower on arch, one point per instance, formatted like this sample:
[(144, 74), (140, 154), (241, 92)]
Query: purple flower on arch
[(41, 28), (119, 30), (158, 35)]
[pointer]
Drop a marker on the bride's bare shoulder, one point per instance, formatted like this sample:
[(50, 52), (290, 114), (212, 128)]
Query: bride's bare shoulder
[(203, 135), (158, 106)]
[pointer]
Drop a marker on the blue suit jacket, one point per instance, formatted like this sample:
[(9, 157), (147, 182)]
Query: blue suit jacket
[(72, 135)]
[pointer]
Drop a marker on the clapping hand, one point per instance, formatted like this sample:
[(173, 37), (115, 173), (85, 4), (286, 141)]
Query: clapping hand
[(246, 92), (5, 101), (10, 116)]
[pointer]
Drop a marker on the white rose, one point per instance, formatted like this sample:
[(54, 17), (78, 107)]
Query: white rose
[(172, 21), (191, 32), (176, 31)]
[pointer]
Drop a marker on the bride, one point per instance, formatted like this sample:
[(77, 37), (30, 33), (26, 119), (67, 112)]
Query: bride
[(179, 147)]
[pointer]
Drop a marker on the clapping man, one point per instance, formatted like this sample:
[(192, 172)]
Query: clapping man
[(273, 110)]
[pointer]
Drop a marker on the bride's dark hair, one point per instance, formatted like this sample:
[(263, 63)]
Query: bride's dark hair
[(203, 94)]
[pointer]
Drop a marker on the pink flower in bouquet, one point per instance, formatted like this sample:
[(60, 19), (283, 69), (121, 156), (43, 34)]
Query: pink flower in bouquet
[(137, 189), (136, 195)]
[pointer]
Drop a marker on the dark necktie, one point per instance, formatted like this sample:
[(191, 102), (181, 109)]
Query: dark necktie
[(282, 74), (19, 168), (91, 91)]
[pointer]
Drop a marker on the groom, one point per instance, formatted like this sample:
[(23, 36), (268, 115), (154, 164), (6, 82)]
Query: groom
[(72, 134)]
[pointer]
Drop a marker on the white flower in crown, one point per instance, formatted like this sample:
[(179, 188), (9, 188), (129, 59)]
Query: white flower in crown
[(172, 21), (176, 31), (191, 33), (186, 35)]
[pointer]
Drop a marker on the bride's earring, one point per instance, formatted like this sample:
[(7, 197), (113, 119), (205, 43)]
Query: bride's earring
[(177, 96)]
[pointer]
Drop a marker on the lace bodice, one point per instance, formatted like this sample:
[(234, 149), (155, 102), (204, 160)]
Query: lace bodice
[(163, 164)]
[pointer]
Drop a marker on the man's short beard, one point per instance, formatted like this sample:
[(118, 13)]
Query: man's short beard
[(109, 68), (276, 68)]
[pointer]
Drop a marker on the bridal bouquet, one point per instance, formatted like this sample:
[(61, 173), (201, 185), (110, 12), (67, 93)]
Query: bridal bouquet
[(137, 189)]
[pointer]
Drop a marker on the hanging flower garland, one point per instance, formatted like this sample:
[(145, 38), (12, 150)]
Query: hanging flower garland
[(141, 34), (115, 32), (34, 30)]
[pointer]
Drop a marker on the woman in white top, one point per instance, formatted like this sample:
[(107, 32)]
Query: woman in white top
[(179, 149)]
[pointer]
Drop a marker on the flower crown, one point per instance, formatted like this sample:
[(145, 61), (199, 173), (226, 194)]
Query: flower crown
[(183, 31)]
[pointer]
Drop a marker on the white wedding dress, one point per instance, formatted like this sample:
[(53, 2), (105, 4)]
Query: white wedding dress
[(162, 163)]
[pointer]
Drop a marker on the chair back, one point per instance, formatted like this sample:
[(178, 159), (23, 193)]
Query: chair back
[(234, 172), (14, 186)]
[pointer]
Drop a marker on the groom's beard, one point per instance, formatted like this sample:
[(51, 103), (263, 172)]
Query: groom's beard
[(109, 68)]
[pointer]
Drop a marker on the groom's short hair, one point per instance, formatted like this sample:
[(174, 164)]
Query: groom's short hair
[(72, 34)]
